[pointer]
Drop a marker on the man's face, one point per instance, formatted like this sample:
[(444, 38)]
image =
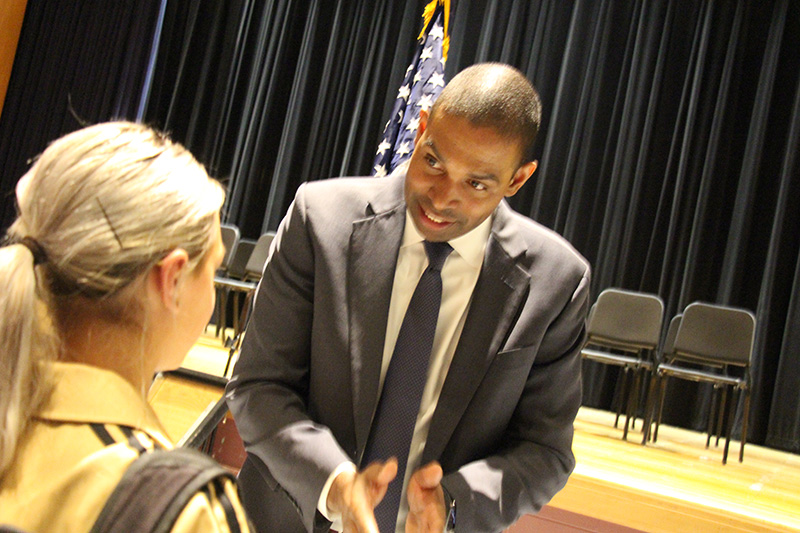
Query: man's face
[(458, 174)]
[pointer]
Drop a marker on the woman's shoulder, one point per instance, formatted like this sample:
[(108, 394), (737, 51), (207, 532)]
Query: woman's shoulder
[(61, 477), (66, 473)]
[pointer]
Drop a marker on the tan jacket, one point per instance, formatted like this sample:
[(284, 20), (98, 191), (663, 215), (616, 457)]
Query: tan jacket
[(64, 472)]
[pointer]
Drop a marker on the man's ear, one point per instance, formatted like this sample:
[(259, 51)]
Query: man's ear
[(522, 175), (423, 124), (166, 275)]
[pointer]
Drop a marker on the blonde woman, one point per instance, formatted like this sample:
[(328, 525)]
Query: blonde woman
[(106, 277)]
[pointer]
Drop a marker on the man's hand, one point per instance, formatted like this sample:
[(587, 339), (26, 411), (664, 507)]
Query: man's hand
[(426, 512), (355, 495)]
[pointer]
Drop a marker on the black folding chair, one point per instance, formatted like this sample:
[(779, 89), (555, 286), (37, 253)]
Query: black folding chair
[(623, 330), (709, 341)]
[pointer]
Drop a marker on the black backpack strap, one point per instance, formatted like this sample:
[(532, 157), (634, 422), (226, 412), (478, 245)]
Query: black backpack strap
[(155, 489), (105, 437), (103, 434)]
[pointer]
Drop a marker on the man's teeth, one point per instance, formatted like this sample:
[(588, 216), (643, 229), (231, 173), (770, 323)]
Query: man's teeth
[(435, 219)]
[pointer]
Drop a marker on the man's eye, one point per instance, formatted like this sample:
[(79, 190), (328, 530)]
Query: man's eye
[(477, 185), (432, 162)]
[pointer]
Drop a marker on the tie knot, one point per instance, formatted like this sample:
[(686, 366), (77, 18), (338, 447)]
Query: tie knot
[(437, 253)]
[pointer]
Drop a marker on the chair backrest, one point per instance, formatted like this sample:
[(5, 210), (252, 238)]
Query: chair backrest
[(244, 248), (230, 238), (716, 334), (626, 319), (255, 265)]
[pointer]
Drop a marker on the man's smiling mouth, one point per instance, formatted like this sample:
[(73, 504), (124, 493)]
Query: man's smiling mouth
[(433, 218)]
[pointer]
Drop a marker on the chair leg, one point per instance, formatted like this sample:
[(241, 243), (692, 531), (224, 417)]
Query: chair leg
[(222, 314), (633, 400), (621, 395), (712, 415), (231, 352), (235, 313), (649, 407), (633, 403), (745, 414), (729, 429), (662, 388), (645, 378), (722, 406), (628, 400), (247, 307), (217, 309)]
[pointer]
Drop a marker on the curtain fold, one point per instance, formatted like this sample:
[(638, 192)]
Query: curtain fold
[(76, 62), (668, 148), (781, 318)]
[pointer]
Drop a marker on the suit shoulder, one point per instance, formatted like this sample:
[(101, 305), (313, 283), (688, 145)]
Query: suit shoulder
[(349, 197), (329, 207), (544, 245), (344, 188)]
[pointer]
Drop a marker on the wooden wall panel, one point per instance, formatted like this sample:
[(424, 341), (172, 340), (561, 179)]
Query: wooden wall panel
[(11, 14)]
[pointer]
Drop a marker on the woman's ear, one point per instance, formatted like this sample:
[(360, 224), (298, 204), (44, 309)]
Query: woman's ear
[(166, 275)]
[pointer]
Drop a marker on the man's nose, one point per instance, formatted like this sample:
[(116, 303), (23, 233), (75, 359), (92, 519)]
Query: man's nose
[(443, 193)]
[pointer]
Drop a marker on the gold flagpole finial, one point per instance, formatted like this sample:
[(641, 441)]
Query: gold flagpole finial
[(427, 16)]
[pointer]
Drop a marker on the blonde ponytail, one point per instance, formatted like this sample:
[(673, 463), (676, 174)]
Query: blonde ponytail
[(24, 342)]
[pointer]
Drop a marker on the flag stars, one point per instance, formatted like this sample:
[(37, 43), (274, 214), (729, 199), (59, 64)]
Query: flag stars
[(436, 79), (427, 53), (422, 83), (382, 147), (425, 102), (404, 92)]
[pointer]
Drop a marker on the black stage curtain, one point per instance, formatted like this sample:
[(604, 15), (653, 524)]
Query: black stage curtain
[(77, 62), (667, 149), (270, 94)]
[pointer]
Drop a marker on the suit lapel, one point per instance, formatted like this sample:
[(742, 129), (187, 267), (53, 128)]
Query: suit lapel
[(499, 292), (374, 245)]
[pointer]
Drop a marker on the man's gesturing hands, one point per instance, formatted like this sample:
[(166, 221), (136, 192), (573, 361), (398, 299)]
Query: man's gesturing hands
[(355, 495), (426, 510)]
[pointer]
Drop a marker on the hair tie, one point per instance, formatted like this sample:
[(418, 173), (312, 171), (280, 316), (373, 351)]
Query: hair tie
[(39, 255)]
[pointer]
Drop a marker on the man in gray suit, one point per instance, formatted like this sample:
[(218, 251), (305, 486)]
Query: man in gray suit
[(492, 440)]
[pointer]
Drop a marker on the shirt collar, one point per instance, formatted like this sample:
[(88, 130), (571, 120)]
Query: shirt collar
[(88, 394), (470, 246)]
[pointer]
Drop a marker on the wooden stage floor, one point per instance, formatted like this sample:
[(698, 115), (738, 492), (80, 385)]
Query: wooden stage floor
[(674, 485), (677, 484)]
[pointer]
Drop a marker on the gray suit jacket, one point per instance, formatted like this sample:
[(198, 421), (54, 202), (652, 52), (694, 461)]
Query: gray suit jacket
[(306, 385)]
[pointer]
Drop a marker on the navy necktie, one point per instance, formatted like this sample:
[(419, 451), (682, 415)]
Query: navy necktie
[(396, 415)]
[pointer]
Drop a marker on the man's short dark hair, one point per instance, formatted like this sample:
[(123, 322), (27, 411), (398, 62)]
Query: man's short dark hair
[(497, 96)]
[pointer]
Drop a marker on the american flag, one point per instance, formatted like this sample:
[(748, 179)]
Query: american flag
[(423, 82)]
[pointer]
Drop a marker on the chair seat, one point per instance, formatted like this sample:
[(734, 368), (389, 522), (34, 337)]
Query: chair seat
[(235, 284), (700, 376), (629, 361)]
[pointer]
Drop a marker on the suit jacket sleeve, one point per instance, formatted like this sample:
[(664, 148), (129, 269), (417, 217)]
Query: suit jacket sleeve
[(268, 392)]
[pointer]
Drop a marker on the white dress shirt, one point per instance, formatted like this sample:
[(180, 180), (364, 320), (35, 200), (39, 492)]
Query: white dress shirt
[(459, 276)]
